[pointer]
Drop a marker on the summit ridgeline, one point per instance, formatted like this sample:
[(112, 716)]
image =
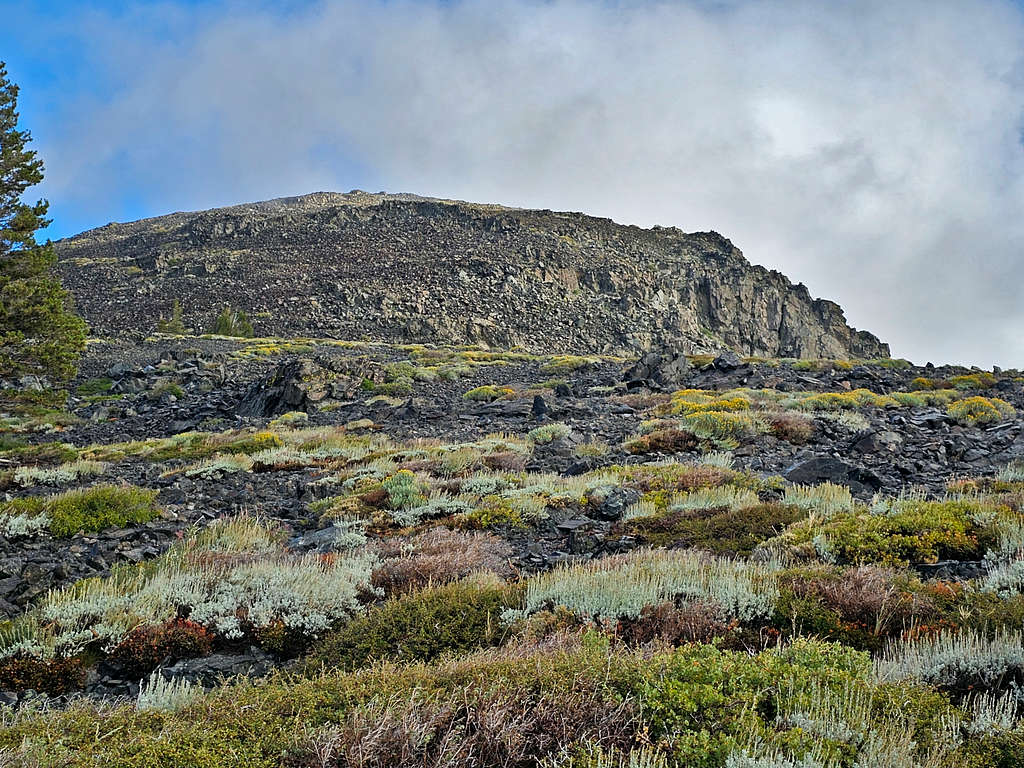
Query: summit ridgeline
[(403, 268)]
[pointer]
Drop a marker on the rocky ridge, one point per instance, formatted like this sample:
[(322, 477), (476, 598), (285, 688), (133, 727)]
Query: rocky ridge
[(402, 268)]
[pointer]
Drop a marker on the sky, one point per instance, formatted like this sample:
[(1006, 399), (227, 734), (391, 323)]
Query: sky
[(869, 149)]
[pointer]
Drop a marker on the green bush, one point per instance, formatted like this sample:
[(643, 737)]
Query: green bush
[(981, 380), (910, 532), (88, 509), (726, 429), (100, 386), (421, 626), (493, 511), (99, 507), (39, 453), (719, 530), (232, 322), (548, 433), (174, 324), (563, 364)]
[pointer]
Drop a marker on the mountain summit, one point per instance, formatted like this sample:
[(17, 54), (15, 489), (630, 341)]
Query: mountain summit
[(414, 269)]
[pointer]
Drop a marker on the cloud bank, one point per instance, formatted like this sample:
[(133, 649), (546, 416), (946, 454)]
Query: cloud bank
[(869, 149)]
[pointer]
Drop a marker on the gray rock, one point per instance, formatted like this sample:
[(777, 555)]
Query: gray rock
[(209, 670), (659, 370), (727, 361), (878, 441), (828, 469)]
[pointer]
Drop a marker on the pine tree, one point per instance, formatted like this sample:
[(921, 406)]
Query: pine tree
[(175, 324), (39, 334), (232, 323)]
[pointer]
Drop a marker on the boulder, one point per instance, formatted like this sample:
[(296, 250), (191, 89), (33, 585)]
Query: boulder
[(727, 361), (659, 370), (208, 671), (883, 441), (294, 385), (826, 469)]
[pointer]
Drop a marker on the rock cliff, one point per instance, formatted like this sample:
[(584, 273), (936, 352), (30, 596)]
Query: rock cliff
[(407, 268)]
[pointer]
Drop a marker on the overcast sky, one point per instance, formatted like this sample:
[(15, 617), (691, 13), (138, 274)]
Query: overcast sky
[(871, 150)]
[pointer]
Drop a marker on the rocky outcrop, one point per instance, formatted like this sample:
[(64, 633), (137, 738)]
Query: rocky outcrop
[(405, 268)]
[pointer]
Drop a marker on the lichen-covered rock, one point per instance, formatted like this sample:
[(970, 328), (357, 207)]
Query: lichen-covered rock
[(404, 268)]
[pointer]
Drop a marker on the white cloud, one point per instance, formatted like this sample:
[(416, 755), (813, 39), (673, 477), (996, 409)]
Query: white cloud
[(869, 149)]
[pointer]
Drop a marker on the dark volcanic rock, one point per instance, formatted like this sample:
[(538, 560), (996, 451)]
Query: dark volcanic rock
[(210, 670), (298, 385), (661, 370), (827, 469)]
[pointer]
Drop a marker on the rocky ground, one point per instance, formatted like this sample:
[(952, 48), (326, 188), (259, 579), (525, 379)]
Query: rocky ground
[(312, 437)]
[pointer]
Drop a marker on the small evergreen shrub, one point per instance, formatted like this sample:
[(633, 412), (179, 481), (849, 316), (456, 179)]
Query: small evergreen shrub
[(56, 676), (721, 530), (666, 440), (174, 324), (982, 380), (232, 322), (490, 392), (37, 454), (726, 429), (495, 511), (87, 509), (421, 626), (559, 365), (792, 427), (92, 387), (912, 531)]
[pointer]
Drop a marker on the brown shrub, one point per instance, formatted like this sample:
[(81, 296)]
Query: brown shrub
[(377, 498), (665, 440), (420, 465), (674, 477), (506, 461), (667, 623), (53, 676), (437, 556), (866, 596), (792, 427), (147, 647), (489, 729)]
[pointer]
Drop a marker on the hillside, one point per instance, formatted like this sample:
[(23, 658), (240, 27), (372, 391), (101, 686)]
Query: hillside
[(300, 551), (297, 553), (402, 268)]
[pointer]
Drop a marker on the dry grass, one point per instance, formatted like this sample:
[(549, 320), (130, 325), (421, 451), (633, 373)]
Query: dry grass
[(509, 727), (437, 556)]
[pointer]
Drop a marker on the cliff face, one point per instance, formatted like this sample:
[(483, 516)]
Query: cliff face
[(405, 268)]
